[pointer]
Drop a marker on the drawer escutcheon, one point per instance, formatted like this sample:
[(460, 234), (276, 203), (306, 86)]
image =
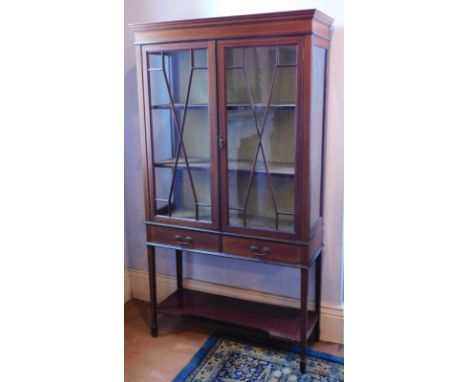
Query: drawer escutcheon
[(181, 241), (262, 252)]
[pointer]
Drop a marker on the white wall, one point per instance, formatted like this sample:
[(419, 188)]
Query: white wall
[(242, 274)]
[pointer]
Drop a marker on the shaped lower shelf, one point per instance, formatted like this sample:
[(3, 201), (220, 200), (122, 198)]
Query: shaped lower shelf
[(278, 321)]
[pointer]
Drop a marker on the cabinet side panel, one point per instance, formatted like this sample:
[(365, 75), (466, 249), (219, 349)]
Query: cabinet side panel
[(142, 130), (304, 143), (319, 64)]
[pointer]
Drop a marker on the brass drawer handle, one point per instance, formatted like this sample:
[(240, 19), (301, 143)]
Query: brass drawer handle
[(187, 241), (262, 252)]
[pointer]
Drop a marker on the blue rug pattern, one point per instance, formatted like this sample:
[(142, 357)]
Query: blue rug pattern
[(224, 359)]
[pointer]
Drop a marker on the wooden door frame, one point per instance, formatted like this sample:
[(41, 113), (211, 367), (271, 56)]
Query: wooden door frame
[(300, 161), (210, 46)]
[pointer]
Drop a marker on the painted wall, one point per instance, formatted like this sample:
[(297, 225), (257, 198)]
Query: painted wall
[(269, 278)]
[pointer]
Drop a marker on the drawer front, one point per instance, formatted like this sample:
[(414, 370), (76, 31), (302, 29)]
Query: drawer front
[(263, 249), (185, 238)]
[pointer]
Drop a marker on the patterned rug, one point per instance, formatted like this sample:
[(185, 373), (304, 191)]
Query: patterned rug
[(225, 359)]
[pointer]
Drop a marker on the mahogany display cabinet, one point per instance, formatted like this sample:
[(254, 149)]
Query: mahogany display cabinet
[(232, 117)]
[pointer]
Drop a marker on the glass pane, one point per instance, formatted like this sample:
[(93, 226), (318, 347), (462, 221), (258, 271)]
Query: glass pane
[(261, 129), (162, 185), (196, 134), (199, 89), (200, 58), (319, 57), (233, 57), (155, 60), (158, 89), (236, 91), (278, 140), (287, 55), (260, 210), (181, 136), (178, 70), (284, 91)]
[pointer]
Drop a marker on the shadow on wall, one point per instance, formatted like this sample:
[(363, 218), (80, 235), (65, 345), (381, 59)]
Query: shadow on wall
[(135, 234), (332, 289)]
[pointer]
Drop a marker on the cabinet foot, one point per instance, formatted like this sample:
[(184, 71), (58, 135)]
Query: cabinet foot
[(317, 334), (302, 366), (154, 330)]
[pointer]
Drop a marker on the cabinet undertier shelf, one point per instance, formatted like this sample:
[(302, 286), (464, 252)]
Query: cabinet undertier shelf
[(278, 321), (275, 168)]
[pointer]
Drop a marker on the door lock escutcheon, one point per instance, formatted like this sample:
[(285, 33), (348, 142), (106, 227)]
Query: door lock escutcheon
[(221, 143)]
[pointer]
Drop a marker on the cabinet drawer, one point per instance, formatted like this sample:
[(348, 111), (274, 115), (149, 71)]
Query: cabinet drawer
[(185, 238), (263, 249)]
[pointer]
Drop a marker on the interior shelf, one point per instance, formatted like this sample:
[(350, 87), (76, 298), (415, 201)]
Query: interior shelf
[(237, 221), (181, 106), (275, 168), (235, 106), (278, 321), (195, 164), (232, 106), (263, 222), (185, 213)]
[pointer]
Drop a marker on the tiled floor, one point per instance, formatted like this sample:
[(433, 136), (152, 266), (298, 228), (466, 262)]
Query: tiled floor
[(160, 359)]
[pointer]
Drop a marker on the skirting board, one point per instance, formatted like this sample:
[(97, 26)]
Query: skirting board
[(332, 317), (127, 285)]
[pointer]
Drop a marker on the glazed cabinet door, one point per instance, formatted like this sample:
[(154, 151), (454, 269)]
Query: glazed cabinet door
[(180, 119), (259, 106)]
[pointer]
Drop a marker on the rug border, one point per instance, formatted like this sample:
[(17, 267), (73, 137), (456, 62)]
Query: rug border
[(215, 336), (195, 361)]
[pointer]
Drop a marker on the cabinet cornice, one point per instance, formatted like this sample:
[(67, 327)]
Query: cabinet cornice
[(301, 22)]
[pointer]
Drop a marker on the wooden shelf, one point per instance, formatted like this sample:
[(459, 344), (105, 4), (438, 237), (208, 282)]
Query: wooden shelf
[(252, 221), (263, 223), (195, 164), (275, 168), (180, 106), (278, 321), (236, 106), (189, 214), (233, 106)]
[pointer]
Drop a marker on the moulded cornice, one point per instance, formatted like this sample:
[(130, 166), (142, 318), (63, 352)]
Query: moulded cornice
[(314, 14)]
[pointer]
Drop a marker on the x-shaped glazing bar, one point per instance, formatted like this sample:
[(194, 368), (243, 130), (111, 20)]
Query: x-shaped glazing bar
[(260, 132), (180, 131)]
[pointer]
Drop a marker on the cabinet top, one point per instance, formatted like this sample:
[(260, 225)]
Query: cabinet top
[(309, 21)]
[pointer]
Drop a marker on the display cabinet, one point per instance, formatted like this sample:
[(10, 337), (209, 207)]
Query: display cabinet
[(232, 116)]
